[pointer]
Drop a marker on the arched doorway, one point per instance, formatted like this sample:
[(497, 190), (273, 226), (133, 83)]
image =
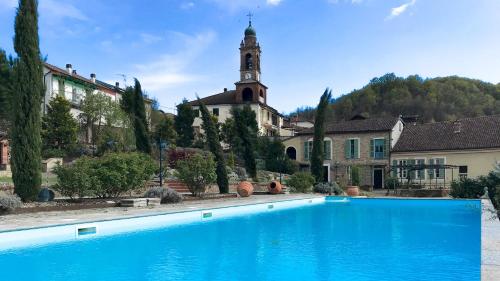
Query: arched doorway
[(291, 152), (247, 94)]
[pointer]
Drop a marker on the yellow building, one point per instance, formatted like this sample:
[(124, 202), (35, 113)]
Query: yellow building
[(435, 154)]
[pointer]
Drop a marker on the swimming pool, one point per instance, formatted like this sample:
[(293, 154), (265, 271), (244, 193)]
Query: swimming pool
[(358, 239)]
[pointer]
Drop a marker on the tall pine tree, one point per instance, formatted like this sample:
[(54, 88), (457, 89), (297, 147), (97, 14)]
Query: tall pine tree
[(317, 156), (215, 147), (183, 123), (27, 100), (133, 103), (141, 128), (246, 130), (6, 64)]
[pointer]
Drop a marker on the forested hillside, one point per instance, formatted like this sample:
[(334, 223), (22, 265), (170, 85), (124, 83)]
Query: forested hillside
[(435, 99)]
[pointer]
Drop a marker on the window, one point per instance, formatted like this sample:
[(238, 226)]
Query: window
[(60, 86), (275, 120), (248, 61), (196, 113), (308, 147), (437, 171), (402, 170), (352, 149), (420, 173), (327, 149), (215, 111), (74, 95), (378, 148), (462, 171), (268, 115)]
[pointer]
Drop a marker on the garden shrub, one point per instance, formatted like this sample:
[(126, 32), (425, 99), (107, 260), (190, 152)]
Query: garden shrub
[(9, 202), (76, 180), (106, 176), (301, 182), (392, 183), (197, 171), (176, 155), (166, 194), (327, 187), (53, 153), (467, 188), (355, 176), (492, 181), (122, 172)]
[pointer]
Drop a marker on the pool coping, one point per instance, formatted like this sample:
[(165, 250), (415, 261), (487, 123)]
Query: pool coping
[(490, 242), (151, 212)]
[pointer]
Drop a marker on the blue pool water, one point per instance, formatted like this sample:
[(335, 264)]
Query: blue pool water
[(374, 239)]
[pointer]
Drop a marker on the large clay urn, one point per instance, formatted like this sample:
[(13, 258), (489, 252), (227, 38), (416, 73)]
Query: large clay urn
[(244, 189), (353, 190), (274, 187)]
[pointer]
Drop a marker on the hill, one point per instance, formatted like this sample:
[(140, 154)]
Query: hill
[(435, 99)]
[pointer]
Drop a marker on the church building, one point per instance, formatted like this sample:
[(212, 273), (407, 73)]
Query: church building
[(249, 90)]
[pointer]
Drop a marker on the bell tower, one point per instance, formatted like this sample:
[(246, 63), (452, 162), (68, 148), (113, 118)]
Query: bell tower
[(250, 54), (249, 88)]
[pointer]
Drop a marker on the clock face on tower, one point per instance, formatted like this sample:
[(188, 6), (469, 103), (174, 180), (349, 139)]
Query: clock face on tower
[(248, 75)]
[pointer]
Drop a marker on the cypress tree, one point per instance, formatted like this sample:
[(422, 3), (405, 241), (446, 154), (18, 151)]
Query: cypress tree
[(184, 124), (215, 147), (246, 129), (27, 100), (317, 156), (5, 85), (140, 122)]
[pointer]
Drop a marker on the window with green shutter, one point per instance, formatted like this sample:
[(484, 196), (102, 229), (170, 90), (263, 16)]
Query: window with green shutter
[(308, 146), (394, 170), (440, 172), (327, 148), (352, 149), (377, 148), (431, 171), (420, 173)]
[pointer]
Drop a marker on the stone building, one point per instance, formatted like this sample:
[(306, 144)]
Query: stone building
[(365, 143), (249, 90)]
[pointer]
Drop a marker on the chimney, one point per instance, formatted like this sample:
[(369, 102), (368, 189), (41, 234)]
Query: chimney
[(117, 84), (69, 68), (457, 127), (92, 77), (74, 72), (225, 89)]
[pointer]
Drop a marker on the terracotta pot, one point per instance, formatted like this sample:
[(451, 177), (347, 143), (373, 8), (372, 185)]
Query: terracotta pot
[(353, 190), (244, 189), (274, 187)]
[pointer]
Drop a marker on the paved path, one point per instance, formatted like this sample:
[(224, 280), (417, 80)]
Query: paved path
[(22, 221), (490, 243)]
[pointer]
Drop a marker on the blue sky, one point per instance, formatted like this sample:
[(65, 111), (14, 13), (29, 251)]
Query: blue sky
[(178, 48)]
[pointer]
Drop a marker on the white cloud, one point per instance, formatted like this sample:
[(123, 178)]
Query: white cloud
[(56, 10), (273, 2), (171, 69), (347, 1), (397, 11), (8, 4), (187, 5), (150, 38)]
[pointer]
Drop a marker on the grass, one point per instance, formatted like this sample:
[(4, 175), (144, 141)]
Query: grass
[(47, 179)]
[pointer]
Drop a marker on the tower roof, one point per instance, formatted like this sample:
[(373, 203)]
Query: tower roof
[(250, 31)]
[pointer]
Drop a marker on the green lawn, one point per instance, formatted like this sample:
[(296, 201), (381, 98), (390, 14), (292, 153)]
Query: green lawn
[(46, 179)]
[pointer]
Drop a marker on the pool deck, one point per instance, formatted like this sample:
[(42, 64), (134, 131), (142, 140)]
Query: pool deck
[(490, 243), (44, 219)]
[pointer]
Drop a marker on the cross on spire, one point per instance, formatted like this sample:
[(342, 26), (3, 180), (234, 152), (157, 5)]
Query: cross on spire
[(250, 15)]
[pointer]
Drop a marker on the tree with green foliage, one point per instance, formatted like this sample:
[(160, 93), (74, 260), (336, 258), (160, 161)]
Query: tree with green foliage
[(197, 171), (133, 103), (165, 130), (214, 145), (317, 155), (184, 124), (94, 108), (434, 99), (59, 128), (273, 153), (28, 88), (6, 85), (247, 130)]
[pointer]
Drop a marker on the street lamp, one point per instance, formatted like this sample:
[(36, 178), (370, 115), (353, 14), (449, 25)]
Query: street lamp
[(161, 145)]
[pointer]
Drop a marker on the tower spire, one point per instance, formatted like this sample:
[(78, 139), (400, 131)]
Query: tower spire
[(250, 15)]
